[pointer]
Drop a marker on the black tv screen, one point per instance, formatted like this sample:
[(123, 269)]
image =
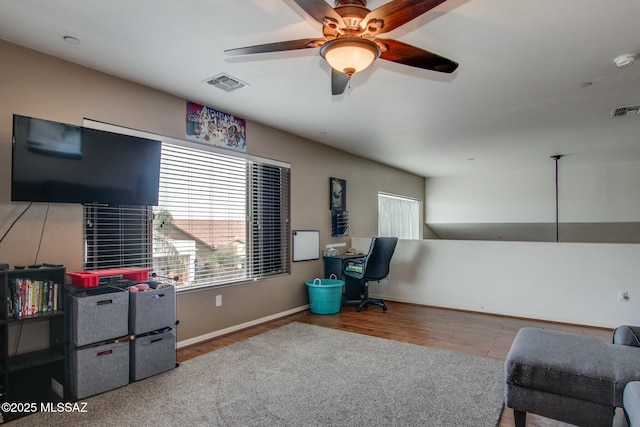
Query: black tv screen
[(63, 163)]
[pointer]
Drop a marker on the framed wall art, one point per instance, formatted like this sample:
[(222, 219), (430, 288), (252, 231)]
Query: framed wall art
[(209, 126), (337, 194)]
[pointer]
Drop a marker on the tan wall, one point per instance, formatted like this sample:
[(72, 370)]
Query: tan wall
[(38, 85)]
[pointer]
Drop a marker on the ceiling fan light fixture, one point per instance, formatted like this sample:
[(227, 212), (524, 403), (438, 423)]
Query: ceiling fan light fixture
[(350, 55)]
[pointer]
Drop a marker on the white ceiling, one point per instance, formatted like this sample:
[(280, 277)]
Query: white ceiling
[(516, 99)]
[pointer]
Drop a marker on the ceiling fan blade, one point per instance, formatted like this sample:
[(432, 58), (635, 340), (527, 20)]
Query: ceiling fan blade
[(399, 12), (403, 53), (277, 47), (318, 9), (339, 82)]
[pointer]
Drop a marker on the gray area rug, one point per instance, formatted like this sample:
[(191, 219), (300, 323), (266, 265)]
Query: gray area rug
[(303, 375)]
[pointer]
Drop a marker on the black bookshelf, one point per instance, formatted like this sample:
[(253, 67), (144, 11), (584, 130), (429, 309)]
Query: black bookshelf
[(29, 375)]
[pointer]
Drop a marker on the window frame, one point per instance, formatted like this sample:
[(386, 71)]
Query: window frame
[(417, 225), (282, 208)]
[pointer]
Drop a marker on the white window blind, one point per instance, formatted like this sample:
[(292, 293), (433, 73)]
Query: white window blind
[(117, 236), (398, 216), (269, 219), (220, 219)]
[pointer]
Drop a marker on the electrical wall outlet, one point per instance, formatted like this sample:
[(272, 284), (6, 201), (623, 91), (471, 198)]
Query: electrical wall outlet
[(218, 300)]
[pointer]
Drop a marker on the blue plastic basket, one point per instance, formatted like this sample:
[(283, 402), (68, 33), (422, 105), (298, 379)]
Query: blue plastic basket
[(325, 295)]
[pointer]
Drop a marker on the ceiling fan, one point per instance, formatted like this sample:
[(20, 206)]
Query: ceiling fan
[(350, 43)]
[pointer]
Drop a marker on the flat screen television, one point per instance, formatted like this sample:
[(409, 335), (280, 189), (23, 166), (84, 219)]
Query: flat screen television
[(63, 163)]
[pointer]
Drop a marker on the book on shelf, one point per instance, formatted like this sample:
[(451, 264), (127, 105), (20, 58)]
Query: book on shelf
[(30, 297)]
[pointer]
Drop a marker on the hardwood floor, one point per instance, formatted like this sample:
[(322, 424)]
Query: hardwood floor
[(472, 333)]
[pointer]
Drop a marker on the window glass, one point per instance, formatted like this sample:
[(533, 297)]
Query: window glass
[(220, 219), (398, 216)]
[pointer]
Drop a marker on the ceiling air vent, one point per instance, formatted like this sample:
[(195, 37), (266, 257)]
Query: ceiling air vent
[(226, 82), (623, 111)]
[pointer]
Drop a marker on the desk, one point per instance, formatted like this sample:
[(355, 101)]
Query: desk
[(335, 265)]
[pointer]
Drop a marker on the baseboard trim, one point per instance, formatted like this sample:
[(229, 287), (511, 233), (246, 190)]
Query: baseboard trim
[(235, 328)]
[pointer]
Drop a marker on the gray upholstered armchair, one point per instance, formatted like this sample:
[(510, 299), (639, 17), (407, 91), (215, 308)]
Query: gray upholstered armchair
[(570, 378)]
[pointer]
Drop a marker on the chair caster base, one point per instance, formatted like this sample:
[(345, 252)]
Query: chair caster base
[(367, 302)]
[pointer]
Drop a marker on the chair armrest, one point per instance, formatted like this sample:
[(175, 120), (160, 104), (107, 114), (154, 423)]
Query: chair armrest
[(627, 335)]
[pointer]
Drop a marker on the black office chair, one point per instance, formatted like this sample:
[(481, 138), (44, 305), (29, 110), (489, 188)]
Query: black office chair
[(374, 267)]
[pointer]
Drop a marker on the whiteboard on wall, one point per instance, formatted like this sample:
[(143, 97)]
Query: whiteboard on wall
[(306, 245)]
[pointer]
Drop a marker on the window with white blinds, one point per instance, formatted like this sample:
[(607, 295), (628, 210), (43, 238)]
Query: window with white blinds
[(398, 216), (117, 236), (220, 219)]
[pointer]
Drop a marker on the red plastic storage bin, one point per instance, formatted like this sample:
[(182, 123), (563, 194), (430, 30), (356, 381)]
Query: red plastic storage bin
[(91, 279), (84, 279)]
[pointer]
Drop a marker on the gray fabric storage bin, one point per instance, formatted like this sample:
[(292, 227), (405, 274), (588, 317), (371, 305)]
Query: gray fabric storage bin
[(99, 368), (99, 315), (152, 309), (152, 354)]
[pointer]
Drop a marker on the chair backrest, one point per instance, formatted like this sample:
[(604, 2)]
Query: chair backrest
[(376, 264)]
